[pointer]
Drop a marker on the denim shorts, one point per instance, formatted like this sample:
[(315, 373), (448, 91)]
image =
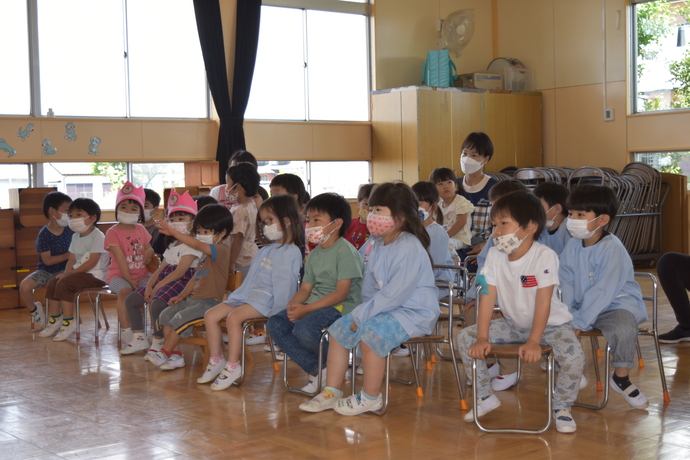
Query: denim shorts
[(381, 333)]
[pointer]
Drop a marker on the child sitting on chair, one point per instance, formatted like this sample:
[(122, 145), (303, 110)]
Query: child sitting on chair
[(523, 275), (598, 283)]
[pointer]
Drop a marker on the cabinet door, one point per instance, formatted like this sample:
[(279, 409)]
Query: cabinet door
[(386, 131), (435, 128), (467, 118)]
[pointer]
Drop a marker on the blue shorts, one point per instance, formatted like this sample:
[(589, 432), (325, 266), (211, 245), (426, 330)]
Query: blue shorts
[(381, 333)]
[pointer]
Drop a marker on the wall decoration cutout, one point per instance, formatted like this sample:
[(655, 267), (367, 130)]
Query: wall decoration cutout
[(24, 133), (93, 147), (47, 148), (7, 148), (69, 129)]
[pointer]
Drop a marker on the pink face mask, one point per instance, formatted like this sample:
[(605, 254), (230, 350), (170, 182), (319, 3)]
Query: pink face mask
[(379, 225)]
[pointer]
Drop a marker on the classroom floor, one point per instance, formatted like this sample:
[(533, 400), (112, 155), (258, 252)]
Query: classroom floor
[(81, 401)]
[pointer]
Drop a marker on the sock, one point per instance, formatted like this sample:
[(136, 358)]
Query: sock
[(214, 360), (333, 392), (67, 320), (176, 353), (54, 318), (127, 329), (367, 397), (157, 342), (138, 336), (623, 383), (231, 366), (165, 352), (35, 308)]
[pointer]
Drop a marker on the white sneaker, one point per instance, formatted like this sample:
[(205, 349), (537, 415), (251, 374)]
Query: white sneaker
[(139, 343), (156, 346), (503, 382), (564, 421), (226, 377), (356, 404), (158, 358), (638, 402), (52, 327), (360, 370), (583, 382), (267, 347), (402, 350), (485, 406), (66, 330), (127, 335), (38, 317), (212, 372), (255, 339), (281, 356), (494, 370), (312, 386), (321, 402), (174, 362)]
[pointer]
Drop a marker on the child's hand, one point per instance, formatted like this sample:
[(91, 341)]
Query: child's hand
[(57, 277), (480, 349), (147, 294), (164, 227), (467, 306), (530, 352), (353, 327), (133, 284), (476, 249), (176, 299), (576, 331), (296, 311)]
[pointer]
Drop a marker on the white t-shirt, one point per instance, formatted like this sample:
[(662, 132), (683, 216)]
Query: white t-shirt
[(175, 252), (517, 283), (82, 247), (460, 205)]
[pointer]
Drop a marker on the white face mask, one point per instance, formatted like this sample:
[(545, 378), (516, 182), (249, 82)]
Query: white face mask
[(63, 221), (578, 228), (182, 227), (470, 165), (148, 214), (423, 214), (509, 243), (78, 226), (127, 218), (207, 239), (550, 223), (272, 233)]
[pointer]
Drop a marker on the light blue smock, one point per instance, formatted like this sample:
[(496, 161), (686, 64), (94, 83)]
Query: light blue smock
[(557, 240), (440, 255)]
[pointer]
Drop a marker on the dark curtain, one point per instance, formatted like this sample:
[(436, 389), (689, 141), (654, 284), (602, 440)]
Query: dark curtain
[(210, 27)]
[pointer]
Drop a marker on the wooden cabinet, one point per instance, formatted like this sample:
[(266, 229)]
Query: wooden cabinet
[(9, 292), (418, 129)]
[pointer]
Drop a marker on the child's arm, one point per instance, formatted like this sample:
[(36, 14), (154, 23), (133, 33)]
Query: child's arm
[(148, 253), (182, 267), (530, 352), (187, 291), (458, 225), (342, 289), (121, 261), (284, 279), (235, 249), (482, 347), (68, 267), (49, 259), (302, 295), (190, 241), (152, 281), (94, 257)]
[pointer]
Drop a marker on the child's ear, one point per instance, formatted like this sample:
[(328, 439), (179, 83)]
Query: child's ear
[(338, 223), (604, 220), (531, 227)]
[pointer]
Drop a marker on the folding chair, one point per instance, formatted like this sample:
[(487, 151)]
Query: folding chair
[(99, 291), (319, 377)]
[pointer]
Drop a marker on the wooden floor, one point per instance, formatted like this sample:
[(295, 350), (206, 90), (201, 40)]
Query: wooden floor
[(81, 401)]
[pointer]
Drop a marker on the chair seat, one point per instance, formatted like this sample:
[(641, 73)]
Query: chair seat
[(511, 349), (591, 333), (426, 338)]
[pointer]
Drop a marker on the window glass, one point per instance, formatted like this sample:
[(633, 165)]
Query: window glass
[(662, 56), (167, 77), (15, 90), (82, 57), (270, 169), (677, 162), (13, 176), (337, 66), (99, 181), (158, 176), (343, 177), (278, 84)]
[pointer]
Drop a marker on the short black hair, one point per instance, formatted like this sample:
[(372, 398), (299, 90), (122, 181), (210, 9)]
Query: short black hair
[(153, 197), (247, 176), (480, 142), (336, 206), (428, 192), (441, 175), (553, 193), (364, 191), (203, 200), (88, 206), (504, 187), (292, 184), (596, 198), (54, 200), (523, 208), (214, 217), (262, 193), (242, 156)]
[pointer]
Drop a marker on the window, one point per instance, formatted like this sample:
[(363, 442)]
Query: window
[(99, 181), (158, 176), (661, 56), (15, 90), (81, 190), (13, 176), (310, 65), (677, 162), (343, 177)]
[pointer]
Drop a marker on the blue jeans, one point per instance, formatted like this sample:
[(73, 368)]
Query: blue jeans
[(300, 340)]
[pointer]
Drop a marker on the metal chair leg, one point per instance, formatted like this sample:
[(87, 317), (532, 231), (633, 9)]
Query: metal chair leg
[(640, 361), (607, 370), (594, 342), (386, 383), (324, 336)]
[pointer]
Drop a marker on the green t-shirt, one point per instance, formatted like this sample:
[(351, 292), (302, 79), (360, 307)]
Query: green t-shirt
[(325, 267)]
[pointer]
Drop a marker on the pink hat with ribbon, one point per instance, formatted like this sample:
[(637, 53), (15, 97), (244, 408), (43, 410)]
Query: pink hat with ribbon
[(130, 192), (184, 202)]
